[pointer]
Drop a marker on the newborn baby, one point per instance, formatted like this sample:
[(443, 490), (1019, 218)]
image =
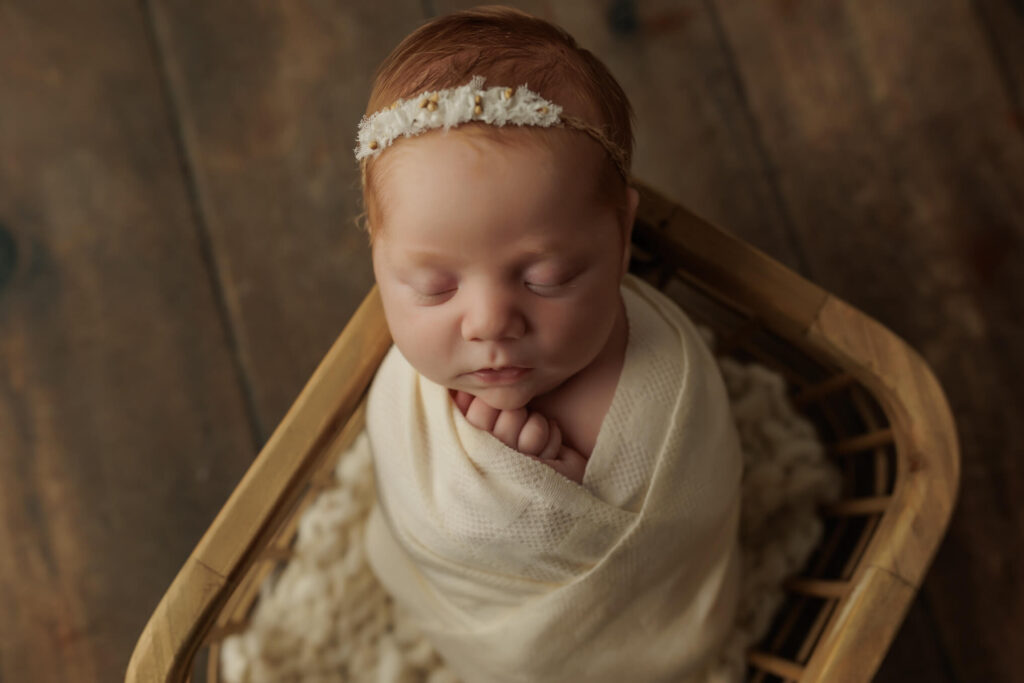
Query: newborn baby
[(499, 266), (557, 470)]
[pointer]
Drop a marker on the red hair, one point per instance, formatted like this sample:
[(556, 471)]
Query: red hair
[(507, 47)]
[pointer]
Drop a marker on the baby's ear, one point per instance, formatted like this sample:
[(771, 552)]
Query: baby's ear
[(633, 199)]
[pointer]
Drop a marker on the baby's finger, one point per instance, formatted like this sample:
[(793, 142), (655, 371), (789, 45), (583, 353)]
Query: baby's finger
[(570, 463), (508, 426), (554, 443), (534, 434), (481, 415), (573, 464), (462, 400)]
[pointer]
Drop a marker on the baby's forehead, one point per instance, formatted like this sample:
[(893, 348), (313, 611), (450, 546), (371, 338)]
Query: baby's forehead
[(554, 173), (547, 148), (553, 140), (555, 240)]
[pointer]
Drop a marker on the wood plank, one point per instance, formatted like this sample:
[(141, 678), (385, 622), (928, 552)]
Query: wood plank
[(903, 174), (268, 98), (248, 524), (122, 417), (916, 654), (1002, 23)]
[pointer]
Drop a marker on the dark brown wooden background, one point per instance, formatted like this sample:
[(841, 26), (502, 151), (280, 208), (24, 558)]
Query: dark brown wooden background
[(177, 253)]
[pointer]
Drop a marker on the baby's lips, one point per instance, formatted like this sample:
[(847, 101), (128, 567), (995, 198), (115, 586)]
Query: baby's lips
[(501, 375)]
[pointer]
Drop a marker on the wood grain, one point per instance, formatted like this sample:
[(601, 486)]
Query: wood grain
[(1002, 23), (122, 419), (268, 97), (904, 178), (263, 501)]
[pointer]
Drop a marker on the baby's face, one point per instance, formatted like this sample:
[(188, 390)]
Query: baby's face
[(496, 257)]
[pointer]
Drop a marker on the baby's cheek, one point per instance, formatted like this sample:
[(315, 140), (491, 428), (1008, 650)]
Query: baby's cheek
[(426, 346), (572, 343)]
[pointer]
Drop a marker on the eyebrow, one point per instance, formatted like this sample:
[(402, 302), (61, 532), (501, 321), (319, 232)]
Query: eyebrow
[(549, 249), (441, 259), (426, 257)]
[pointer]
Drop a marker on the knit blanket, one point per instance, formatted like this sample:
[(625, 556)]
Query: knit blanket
[(326, 617), (520, 575)]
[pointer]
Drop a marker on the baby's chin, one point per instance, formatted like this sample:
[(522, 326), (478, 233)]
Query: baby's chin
[(513, 396), (502, 398)]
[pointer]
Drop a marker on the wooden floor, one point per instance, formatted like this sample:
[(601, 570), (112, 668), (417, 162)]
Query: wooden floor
[(177, 253)]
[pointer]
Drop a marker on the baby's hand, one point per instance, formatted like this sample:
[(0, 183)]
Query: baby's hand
[(531, 434), (528, 433)]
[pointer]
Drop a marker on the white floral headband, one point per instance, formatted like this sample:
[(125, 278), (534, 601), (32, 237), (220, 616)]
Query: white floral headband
[(452, 107)]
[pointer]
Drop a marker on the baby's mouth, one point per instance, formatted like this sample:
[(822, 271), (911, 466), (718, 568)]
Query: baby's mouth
[(501, 375)]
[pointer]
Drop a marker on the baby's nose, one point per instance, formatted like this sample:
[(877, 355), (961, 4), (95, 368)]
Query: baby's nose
[(492, 316)]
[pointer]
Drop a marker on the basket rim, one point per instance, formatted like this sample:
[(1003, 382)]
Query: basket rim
[(924, 493)]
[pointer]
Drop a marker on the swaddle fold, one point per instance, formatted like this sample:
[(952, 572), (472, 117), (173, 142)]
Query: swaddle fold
[(516, 573)]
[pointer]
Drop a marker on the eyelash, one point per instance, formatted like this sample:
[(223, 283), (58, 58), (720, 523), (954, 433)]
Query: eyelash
[(532, 286), (431, 297), (564, 283)]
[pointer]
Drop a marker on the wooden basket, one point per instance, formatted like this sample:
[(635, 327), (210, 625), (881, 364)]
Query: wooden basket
[(872, 398)]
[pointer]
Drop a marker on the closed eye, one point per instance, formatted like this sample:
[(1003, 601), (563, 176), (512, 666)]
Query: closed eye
[(546, 289), (429, 297), (433, 297)]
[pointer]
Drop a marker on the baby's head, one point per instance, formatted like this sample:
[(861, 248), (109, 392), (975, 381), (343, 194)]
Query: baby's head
[(501, 246)]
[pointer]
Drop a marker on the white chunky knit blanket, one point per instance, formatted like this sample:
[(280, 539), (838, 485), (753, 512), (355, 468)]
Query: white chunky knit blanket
[(326, 616)]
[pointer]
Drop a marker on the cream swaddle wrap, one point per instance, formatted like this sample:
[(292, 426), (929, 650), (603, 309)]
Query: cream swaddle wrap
[(516, 573)]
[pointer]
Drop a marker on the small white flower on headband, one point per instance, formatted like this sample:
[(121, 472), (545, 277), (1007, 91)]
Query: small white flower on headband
[(498, 106), (450, 107)]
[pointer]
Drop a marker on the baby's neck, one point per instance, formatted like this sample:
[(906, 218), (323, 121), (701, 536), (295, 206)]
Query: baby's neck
[(580, 404)]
